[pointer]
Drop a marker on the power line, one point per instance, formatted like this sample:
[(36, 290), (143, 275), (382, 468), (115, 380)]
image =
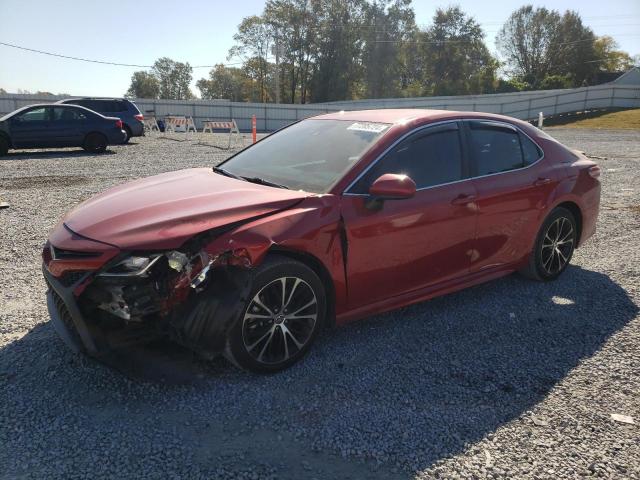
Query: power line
[(102, 62)]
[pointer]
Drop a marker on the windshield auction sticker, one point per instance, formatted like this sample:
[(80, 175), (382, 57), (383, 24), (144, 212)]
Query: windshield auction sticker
[(368, 127)]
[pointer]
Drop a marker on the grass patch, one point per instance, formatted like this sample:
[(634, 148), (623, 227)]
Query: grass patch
[(618, 120)]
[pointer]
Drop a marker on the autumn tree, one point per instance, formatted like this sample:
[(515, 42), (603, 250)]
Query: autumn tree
[(608, 56)]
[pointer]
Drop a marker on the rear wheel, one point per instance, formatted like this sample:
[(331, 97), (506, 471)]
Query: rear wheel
[(4, 146), (127, 134), (554, 246), (95, 143), (285, 311)]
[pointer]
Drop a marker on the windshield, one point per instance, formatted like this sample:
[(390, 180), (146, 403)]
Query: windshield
[(310, 155)]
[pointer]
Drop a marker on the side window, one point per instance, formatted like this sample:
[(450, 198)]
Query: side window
[(495, 149), (530, 150), (61, 114), (120, 106), (34, 115), (429, 158)]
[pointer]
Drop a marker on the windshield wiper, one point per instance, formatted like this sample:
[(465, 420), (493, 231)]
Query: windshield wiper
[(224, 172), (262, 181)]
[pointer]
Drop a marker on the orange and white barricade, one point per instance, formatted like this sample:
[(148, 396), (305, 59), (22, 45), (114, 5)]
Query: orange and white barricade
[(234, 131), (175, 124), (191, 126), (151, 124)]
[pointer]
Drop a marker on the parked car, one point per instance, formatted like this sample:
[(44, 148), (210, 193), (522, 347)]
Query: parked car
[(325, 222), (54, 126), (125, 110)]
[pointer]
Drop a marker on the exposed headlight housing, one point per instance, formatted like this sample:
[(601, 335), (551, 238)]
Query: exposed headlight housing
[(133, 266)]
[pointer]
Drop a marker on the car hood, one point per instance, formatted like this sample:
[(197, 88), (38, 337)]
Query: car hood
[(165, 210)]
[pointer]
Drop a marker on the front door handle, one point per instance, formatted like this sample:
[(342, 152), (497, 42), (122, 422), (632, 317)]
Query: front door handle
[(541, 181), (463, 199)]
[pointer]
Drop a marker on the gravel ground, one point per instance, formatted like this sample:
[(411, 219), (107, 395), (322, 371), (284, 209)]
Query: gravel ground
[(510, 379)]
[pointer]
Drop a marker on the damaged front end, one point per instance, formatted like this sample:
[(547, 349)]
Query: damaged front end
[(190, 296)]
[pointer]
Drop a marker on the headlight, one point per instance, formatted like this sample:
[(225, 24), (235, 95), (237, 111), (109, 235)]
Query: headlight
[(132, 266)]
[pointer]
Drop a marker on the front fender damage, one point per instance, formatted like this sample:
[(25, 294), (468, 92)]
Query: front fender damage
[(192, 298)]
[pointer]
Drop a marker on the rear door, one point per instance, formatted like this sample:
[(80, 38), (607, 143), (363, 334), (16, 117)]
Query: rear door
[(69, 124), (417, 242), (514, 184)]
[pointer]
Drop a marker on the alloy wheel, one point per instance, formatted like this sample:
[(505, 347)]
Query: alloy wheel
[(557, 245), (279, 320)]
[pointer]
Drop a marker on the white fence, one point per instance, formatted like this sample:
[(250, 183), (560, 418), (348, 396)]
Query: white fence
[(523, 105)]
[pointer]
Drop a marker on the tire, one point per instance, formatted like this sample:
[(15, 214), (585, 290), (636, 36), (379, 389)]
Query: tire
[(4, 146), (95, 143), (266, 338), (127, 135), (554, 246)]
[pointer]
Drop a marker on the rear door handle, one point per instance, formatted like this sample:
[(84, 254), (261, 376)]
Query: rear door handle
[(463, 199), (541, 181)]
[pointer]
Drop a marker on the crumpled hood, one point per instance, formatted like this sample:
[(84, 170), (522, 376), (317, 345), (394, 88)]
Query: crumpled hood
[(163, 211)]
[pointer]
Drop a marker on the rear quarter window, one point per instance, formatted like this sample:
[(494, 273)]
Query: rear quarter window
[(530, 151)]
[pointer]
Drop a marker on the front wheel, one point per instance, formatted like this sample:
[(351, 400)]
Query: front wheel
[(95, 143), (284, 313), (554, 246)]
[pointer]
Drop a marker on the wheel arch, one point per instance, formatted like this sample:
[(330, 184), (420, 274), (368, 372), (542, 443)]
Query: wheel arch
[(319, 269), (6, 136), (91, 132), (574, 208)]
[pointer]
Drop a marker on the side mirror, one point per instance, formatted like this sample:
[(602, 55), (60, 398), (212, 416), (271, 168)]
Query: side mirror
[(390, 186)]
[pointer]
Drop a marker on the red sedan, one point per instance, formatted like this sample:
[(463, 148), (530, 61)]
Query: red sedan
[(327, 221)]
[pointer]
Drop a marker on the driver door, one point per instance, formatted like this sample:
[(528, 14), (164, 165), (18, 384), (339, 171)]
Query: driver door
[(31, 128), (417, 242)]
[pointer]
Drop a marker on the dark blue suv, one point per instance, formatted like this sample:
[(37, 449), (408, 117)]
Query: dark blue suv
[(125, 110)]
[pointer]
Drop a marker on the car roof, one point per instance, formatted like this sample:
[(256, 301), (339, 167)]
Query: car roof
[(406, 115), (91, 98), (56, 104)]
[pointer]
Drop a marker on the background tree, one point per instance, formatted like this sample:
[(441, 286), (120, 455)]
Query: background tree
[(388, 27), (294, 34), (572, 50), (337, 68), (609, 57), (455, 57), (223, 83), (527, 41), (174, 78), (143, 85), (253, 42)]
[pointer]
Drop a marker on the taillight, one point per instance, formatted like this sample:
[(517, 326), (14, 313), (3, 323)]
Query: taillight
[(139, 117), (594, 171), (119, 124)]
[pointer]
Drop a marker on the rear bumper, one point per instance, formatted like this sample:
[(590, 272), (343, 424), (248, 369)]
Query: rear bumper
[(137, 128), (116, 137)]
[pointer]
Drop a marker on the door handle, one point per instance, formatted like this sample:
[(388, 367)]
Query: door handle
[(541, 181), (463, 199)]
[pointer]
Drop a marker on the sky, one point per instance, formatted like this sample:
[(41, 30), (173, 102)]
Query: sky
[(200, 32)]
